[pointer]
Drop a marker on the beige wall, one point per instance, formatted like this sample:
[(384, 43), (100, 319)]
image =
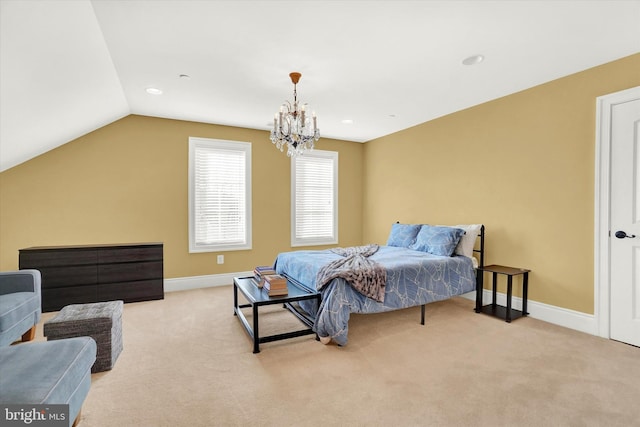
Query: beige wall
[(127, 182), (523, 165)]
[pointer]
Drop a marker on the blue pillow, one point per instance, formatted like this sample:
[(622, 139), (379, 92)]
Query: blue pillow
[(437, 240), (403, 235)]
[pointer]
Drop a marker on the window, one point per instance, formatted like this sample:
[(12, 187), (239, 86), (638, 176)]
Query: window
[(314, 198), (219, 195)]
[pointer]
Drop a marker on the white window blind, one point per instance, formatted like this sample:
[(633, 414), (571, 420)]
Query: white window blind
[(219, 195), (314, 198)]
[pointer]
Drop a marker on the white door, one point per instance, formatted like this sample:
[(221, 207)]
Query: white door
[(625, 222)]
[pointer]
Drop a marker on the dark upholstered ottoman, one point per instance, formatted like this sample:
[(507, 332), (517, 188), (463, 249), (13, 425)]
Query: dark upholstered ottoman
[(101, 321)]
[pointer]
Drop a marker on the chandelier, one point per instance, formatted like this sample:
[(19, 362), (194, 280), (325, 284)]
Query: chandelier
[(292, 127)]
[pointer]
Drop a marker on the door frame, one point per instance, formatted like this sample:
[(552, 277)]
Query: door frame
[(602, 218)]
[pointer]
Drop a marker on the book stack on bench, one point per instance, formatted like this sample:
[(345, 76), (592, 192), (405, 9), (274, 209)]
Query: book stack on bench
[(275, 285), (259, 272)]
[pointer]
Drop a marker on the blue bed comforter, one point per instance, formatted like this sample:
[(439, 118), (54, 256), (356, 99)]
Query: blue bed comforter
[(413, 278)]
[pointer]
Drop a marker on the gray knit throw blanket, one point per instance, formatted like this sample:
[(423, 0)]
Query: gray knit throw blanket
[(366, 276)]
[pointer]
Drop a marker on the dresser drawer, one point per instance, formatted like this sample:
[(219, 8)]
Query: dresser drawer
[(141, 290), (62, 277), (129, 271), (55, 299), (38, 258), (130, 254)]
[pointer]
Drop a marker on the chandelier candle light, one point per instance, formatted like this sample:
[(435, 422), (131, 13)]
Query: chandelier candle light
[(292, 127)]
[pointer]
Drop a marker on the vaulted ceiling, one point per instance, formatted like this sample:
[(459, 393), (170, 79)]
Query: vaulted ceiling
[(70, 67)]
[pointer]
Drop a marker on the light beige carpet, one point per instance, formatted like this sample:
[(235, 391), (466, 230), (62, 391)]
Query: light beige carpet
[(188, 362)]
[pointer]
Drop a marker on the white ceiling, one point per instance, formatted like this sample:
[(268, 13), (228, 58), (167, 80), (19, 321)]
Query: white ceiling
[(70, 67)]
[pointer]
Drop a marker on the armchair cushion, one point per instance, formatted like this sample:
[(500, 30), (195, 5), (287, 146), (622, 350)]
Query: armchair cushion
[(20, 306), (49, 372)]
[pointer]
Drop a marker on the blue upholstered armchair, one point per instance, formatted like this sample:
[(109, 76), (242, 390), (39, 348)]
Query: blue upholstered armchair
[(20, 308), (40, 373)]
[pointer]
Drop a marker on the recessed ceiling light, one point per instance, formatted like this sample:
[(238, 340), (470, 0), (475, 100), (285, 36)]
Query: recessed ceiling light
[(347, 122), (472, 60), (154, 91)]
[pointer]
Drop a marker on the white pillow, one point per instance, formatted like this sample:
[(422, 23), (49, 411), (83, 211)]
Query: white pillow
[(468, 239)]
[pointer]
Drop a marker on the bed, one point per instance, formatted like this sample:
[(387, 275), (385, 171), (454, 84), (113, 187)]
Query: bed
[(419, 264)]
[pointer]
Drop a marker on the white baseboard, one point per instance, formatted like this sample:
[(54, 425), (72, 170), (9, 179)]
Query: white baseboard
[(197, 282), (557, 315)]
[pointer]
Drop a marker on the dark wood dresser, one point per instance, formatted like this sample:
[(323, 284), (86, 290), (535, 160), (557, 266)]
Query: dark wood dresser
[(84, 274)]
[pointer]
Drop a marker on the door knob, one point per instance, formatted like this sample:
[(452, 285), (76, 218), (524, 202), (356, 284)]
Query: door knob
[(621, 235)]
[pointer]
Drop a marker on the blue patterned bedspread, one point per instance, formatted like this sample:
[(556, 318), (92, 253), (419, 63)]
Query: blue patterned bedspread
[(413, 278)]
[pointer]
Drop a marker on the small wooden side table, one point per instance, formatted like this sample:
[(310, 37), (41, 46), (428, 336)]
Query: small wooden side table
[(494, 309)]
